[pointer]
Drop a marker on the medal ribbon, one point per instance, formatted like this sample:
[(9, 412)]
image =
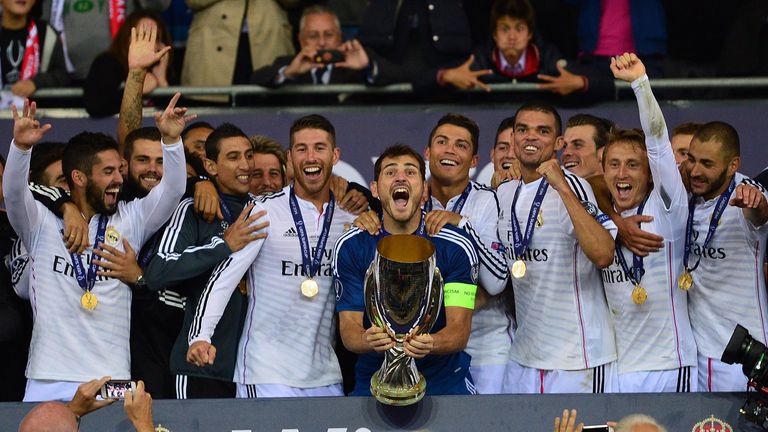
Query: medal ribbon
[(457, 206), (116, 16), (635, 274), (225, 210), (521, 242), (419, 231), (311, 265), (87, 282), (722, 203)]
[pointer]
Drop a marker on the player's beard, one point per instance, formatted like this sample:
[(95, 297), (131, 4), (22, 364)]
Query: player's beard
[(717, 183), (95, 198)]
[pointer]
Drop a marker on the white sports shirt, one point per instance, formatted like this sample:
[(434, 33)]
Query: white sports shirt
[(287, 337), (562, 316), (70, 343), (655, 335), (728, 286)]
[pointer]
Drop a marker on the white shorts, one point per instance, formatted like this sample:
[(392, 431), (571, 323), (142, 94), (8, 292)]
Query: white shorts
[(250, 391), (681, 380), (716, 376), (488, 379), (45, 390), (600, 379)]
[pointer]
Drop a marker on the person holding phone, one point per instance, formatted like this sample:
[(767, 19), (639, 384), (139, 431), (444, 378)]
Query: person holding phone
[(323, 58)]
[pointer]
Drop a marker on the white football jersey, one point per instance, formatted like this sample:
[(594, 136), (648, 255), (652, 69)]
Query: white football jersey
[(70, 343), (287, 338), (728, 286), (655, 335), (489, 340), (562, 315)]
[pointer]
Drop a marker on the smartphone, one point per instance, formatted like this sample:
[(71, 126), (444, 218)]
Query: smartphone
[(597, 428), (329, 56), (116, 389)]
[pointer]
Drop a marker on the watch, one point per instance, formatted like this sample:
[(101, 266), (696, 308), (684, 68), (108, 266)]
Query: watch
[(141, 282)]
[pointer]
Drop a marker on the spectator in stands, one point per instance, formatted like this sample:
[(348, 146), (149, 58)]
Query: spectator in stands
[(89, 27), (630, 423), (102, 90), (413, 41), (681, 138), (514, 56), (229, 39), (32, 54), (268, 165), (319, 29), (612, 27)]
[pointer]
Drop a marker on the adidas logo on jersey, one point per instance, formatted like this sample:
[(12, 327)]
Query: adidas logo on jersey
[(291, 232)]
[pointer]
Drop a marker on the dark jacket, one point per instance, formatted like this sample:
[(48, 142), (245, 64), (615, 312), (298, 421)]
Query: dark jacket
[(266, 76), (53, 67)]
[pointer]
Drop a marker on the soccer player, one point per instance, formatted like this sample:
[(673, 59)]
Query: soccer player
[(76, 336), (656, 350), (285, 349), (681, 138), (724, 253), (454, 199), (585, 135), (503, 152), (556, 239), (188, 250), (268, 165), (401, 187)]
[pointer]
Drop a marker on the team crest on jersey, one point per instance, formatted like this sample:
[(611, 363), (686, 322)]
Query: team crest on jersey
[(590, 208), (224, 225), (112, 237), (712, 424), (475, 272)]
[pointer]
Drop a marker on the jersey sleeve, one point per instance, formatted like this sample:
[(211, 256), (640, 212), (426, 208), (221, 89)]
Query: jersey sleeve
[(180, 256), (459, 268), (482, 230), (24, 213), (349, 271), (221, 284), (151, 212), (584, 193), (661, 159), (18, 265), (51, 197)]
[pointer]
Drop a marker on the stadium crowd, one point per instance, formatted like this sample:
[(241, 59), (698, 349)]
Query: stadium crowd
[(202, 262)]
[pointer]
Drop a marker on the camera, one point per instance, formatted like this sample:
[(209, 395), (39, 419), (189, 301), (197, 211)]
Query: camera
[(753, 356), (116, 389), (327, 56)]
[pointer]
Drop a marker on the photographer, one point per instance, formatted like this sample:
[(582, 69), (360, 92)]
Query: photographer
[(319, 36)]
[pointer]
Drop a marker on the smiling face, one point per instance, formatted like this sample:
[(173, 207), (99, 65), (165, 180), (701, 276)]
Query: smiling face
[(267, 176), (535, 138), (313, 156), (145, 168), (503, 152), (709, 168), (233, 166), (580, 151), (401, 189), (450, 154), (627, 174), (512, 36), (103, 184)]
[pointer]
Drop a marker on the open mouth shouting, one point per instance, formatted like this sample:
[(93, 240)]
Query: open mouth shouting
[(623, 191), (400, 196), (110, 195), (312, 172)]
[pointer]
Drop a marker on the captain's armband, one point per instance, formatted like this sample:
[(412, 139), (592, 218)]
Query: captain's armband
[(459, 294)]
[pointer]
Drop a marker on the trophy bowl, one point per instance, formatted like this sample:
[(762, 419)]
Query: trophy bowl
[(403, 295)]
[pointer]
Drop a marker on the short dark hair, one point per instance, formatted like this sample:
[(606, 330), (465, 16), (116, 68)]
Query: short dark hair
[(265, 145), (687, 128), (602, 127), (520, 9), (313, 121), (506, 123), (631, 136), (462, 122), (193, 126), (723, 133), (395, 151), (543, 107), (147, 133), (225, 130), (43, 155), (81, 153)]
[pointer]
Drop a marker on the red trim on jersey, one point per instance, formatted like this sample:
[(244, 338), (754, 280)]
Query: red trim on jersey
[(578, 304), (672, 282), (541, 381)]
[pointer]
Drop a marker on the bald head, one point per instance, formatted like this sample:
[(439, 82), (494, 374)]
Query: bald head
[(639, 423), (49, 417)]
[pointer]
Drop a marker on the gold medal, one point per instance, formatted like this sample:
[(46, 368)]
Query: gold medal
[(309, 288), (685, 281), (639, 295), (540, 218), (89, 301), (518, 269)]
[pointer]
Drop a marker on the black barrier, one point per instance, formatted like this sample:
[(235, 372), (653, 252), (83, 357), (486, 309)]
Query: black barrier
[(678, 412)]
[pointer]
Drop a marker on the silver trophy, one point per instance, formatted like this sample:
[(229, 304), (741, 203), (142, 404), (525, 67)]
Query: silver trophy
[(403, 294)]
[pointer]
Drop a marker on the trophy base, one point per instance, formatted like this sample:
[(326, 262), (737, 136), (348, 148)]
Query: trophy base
[(398, 396)]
